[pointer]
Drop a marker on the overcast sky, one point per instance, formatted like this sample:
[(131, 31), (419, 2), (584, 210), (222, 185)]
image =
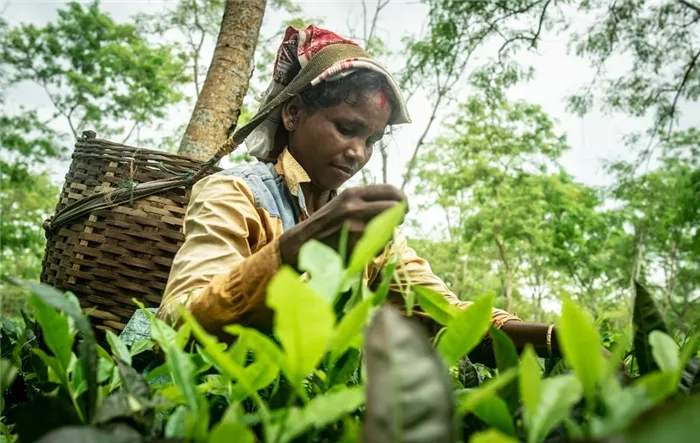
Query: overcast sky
[(592, 138)]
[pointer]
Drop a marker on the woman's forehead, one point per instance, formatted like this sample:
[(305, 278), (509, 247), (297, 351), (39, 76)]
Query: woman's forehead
[(372, 109)]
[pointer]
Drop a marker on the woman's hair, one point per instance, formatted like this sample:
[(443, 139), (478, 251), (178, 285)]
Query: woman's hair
[(352, 89)]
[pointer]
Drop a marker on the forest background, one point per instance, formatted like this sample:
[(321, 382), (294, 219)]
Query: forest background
[(553, 152)]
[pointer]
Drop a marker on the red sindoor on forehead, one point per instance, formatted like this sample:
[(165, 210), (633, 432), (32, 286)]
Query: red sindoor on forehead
[(382, 98)]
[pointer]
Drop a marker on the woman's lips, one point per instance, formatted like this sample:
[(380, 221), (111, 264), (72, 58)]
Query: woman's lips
[(345, 171)]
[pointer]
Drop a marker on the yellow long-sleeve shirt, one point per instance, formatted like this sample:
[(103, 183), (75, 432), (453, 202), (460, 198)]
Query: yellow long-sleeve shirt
[(231, 249)]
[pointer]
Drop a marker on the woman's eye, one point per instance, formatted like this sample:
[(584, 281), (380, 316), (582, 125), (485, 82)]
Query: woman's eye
[(343, 129)]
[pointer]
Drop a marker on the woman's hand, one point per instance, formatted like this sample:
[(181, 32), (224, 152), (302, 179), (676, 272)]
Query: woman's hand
[(357, 206)]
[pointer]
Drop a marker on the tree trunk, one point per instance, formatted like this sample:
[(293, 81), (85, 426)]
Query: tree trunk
[(218, 105)]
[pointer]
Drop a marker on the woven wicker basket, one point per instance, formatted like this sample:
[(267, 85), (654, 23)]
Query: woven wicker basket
[(106, 257)]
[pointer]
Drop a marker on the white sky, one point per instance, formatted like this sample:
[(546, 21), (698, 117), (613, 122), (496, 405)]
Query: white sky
[(592, 138)]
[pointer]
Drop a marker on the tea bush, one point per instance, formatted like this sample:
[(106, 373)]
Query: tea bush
[(342, 365)]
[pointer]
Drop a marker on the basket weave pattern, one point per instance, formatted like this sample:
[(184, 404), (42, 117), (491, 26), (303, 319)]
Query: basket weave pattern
[(110, 256)]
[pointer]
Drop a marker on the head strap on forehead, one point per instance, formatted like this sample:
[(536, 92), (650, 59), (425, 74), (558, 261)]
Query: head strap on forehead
[(307, 57)]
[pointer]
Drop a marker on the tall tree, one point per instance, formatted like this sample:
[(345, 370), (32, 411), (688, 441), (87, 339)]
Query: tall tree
[(97, 73), (219, 103), (660, 38), (496, 162)]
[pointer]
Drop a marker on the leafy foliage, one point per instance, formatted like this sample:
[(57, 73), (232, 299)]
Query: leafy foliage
[(308, 380)]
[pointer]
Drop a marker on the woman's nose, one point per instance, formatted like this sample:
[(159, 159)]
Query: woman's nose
[(356, 151)]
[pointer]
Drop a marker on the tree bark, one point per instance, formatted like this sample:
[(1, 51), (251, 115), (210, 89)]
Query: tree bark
[(218, 106)]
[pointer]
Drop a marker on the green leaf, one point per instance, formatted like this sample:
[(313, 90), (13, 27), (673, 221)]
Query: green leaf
[(161, 332), (349, 327), (375, 238), (57, 333), (506, 358), (409, 394), (581, 346), (222, 360), (466, 330), (323, 410), (665, 351), (491, 436), (264, 348), (8, 372), (182, 336), (342, 371), (175, 427), (558, 396), (646, 318), (303, 323), (435, 305), (141, 345), (325, 266), (226, 432), (530, 381), (383, 291), (118, 347), (182, 371), (92, 434), (677, 421), (133, 382), (469, 399), (494, 411)]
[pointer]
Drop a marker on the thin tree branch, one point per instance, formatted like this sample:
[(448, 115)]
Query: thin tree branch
[(690, 5), (128, 136), (679, 91)]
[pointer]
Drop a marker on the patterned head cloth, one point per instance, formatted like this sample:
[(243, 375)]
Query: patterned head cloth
[(308, 57)]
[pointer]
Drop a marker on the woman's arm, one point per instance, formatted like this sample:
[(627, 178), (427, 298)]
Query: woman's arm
[(221, 271)]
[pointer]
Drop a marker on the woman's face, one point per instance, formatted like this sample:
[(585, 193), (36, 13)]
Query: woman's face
[(333, 144)]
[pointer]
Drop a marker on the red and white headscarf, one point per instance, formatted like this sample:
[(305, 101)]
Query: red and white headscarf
[(297, 49)]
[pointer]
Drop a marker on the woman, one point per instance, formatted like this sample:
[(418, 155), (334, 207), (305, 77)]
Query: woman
[(244, 223)]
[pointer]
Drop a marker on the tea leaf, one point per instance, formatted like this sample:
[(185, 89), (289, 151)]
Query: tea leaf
[(435, 305), (344, 368), (223, 362), (325, 267), (120, 433), (56, 333), (375, 238), (530, 381), (182, 335), (494, 411), (677, 421), (506, 358), (8, 372), (558, 396), (349, 327), (409, 394), (665, 351), (161, 332), (133, 382), (225, 432), (141, 345), (118, 348), (646, 318), (466, 330), (323, 410), (303, 323), (581, 346), (469, 399), (264, 347), (69, 305), (383, 290), (492, 436), (182, 372)]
